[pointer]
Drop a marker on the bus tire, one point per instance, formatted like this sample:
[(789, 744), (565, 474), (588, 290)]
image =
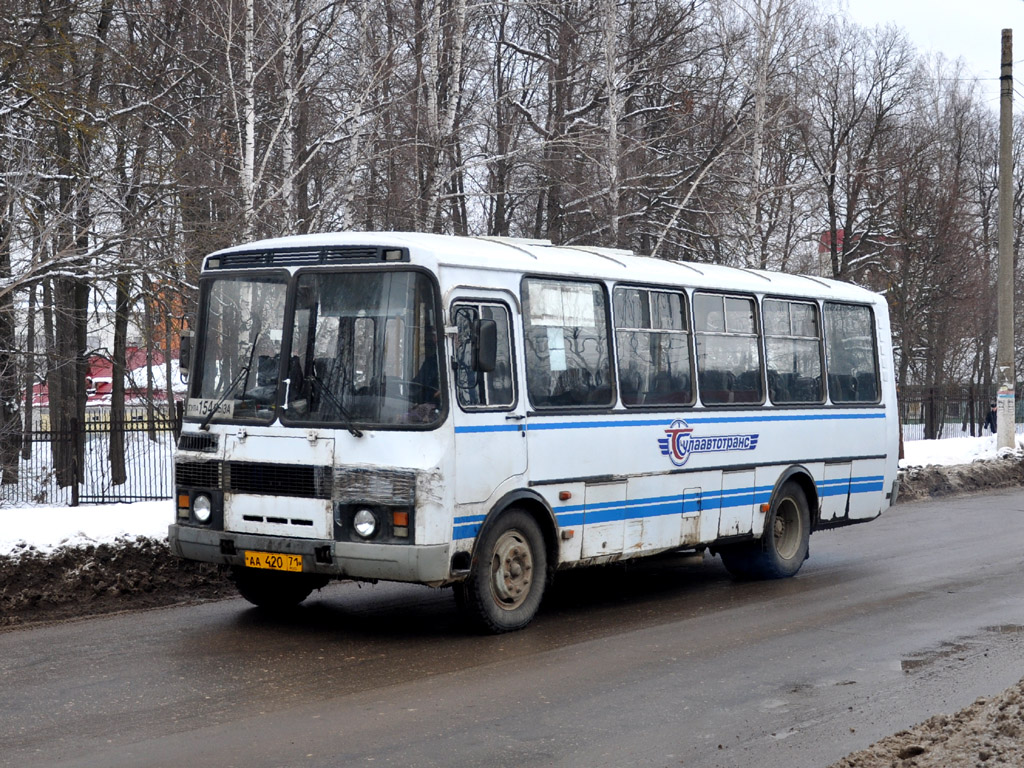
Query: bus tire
[(783, 545), (507, 577), (737, 559), (273, 591)]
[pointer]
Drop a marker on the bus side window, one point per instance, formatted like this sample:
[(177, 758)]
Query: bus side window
[(478, 389), (792, 340), (728, 349), (653, 343), (850, 354), (568, 359)]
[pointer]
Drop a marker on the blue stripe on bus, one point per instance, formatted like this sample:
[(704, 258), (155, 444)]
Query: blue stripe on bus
[(571, 515), (839, 486), (467, 526), (633, 509), (690, 419), (488, 428)]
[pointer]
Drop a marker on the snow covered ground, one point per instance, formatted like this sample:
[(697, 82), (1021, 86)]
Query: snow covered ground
[(47, 528), (953, 450)]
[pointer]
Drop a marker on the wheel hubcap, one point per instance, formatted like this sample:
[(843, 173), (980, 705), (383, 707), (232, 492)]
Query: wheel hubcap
[(511, 570), (787, 531)]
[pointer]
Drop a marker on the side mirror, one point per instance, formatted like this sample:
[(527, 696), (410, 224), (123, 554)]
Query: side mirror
[(185, 355), (485, 345)]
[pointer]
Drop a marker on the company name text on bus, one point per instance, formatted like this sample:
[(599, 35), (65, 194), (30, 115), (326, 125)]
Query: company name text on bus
[(679, 443)]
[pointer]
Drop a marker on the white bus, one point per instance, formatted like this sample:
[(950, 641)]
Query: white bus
[(481, 413)]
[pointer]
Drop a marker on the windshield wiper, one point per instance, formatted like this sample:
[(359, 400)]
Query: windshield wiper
[(243, 375), (331, 398)]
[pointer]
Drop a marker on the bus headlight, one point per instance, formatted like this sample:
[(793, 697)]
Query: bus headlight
[(202, 508), (365, 523)]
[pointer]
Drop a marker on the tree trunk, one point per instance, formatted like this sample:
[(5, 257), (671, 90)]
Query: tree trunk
[(122, 306), (248, 173), (147, 307), (10, 418)]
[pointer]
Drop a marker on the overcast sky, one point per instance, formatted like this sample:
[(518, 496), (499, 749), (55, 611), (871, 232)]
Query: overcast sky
[(967, 29)]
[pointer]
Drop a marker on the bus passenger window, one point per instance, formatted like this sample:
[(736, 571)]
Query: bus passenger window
[(653, 342), (728, 350), (478, 389), (793, 347), (568, 360), (850, 354)]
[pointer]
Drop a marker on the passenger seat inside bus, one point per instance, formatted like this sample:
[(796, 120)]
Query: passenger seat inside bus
[(843, 388), (630, 383), (667, 389), (867, 390), (778, 388), (716, 386), (572, 387)]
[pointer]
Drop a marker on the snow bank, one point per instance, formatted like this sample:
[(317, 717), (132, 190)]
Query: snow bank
[(47, 528), (954, 450)]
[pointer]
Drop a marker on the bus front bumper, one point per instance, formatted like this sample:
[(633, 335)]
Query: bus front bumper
[(423, 564)]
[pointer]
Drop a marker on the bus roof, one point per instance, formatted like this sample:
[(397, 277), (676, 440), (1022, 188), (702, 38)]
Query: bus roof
[(541, 257)]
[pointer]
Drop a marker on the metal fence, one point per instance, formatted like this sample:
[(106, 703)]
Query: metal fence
[(925, 413), (148, 464), (933, 413)]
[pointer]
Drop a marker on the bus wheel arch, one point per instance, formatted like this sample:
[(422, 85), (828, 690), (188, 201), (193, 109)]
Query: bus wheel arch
[(803, 478), (784, 543), (511, 566), (534, 505)]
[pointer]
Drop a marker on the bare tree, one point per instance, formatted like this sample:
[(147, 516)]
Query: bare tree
[(864, 83)]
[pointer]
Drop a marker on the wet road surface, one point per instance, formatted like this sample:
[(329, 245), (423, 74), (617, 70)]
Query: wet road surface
[(666, 664)]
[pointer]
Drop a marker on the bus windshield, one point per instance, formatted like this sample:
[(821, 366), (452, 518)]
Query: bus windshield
[(364, 350), (241, 327), (365, 346)]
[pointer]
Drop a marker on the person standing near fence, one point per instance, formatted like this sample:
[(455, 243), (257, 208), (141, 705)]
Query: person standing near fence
[(990, 419)]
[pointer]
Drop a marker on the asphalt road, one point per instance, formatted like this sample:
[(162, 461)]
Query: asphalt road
[(669, 664)]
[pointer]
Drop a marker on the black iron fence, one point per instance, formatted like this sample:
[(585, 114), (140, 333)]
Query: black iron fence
[(147, 470), (933, 413), (148, 449)]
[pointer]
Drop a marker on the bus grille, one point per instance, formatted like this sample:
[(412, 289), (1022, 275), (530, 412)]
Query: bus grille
[(203, 443), (339, 254), (197, 474), (349, 485), (302, 481)]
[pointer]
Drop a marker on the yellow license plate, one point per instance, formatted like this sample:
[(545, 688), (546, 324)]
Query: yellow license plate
[(273, 561)]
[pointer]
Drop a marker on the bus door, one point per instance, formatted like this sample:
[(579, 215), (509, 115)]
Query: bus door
[(489, 411)]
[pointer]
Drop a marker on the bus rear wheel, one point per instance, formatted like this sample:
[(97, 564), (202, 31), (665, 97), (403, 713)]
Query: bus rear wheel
[(275, 591), (783, 546), (507, 577)]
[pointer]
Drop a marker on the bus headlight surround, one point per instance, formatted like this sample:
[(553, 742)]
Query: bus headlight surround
[(202, 508), (365, 523)]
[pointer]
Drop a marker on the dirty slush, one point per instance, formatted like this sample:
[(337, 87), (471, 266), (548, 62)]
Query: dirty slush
[(77, 582)]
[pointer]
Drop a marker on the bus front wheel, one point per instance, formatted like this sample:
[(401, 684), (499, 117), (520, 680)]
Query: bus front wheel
[(783, 545), (275, 591), (507, 577)]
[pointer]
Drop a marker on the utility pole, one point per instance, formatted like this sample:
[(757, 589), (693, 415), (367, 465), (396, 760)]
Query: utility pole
[(1004, 351)]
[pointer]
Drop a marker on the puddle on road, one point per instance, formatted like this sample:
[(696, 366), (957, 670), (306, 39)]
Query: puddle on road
[(945, 651), (958, 650), (1006, 629)]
